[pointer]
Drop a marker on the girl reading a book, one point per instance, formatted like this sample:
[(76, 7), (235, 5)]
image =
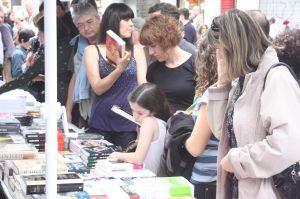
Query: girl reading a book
[(112, 82), (150, 108)]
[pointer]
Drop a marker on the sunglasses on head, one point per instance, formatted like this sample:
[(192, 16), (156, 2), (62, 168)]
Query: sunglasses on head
[(215, 25)]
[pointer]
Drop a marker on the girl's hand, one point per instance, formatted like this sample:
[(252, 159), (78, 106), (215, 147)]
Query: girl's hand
[(222, 73), (113, 156), (123, 62), (226, 165)]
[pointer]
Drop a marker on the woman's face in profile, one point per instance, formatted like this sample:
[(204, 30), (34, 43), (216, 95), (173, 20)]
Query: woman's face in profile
[(126, 28), (157, 52)]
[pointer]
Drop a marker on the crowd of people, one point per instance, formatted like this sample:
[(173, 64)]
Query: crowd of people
[(245, 127)]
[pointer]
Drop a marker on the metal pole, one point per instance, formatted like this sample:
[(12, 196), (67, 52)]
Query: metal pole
[(51, 97)]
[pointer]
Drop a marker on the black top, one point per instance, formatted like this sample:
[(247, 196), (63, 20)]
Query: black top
[(177, 83)]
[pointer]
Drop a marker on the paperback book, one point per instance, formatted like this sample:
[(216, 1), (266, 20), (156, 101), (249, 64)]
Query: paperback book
[(115, 47), (35, 183), (35, 166), (17, 151), (124, 114)]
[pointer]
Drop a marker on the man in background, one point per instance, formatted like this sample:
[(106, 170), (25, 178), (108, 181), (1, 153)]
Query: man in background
[(190, 33), (8, 48)]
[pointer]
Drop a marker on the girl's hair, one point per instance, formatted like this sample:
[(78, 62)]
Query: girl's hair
[(204, 26), (150, 97), (161, 30), (206, 65), (287, 45), (241, 39), (111, 18)]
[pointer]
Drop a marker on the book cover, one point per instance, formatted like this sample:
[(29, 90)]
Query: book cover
[(109, 165), (77, 167), (35, 166), (35, 183), (178, 186), (164, 187), (101, 152), (93, 188), (76, 146), (12, 138), (124, 114), (17, 151), (115, 47)]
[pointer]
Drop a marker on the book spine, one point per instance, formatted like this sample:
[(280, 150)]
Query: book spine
[(40, 189), (130, 192), (16, 156)]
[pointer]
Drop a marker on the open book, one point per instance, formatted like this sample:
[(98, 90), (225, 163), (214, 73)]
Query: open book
[(123, 113), (115, 46)]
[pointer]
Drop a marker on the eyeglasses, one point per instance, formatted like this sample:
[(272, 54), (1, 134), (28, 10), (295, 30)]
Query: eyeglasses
[(215, 25), (88, 24)]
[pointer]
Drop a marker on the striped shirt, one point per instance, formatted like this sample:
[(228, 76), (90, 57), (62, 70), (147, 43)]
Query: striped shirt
[(205, 168)]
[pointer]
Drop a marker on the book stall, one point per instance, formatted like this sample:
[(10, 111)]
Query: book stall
[(83, 170)]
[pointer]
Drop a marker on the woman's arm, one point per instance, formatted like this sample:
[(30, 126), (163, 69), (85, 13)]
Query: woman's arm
[(22, 80), (148, 131), (99, 85), (201, 133), (70, 103), (141, 64)]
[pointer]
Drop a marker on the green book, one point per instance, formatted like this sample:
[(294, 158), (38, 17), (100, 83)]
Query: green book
[(178, 186)]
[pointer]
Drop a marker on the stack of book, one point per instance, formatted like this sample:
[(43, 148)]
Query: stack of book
[(35, 183), (17, 151), (9, 124), (92, 150), (37, 137), (74, 163)]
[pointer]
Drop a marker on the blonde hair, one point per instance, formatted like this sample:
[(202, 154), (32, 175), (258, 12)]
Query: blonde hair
[(241, 40)]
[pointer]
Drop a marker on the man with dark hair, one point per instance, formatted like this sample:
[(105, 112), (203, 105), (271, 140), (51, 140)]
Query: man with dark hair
[(164, 9), (190, 33), (261, 19), (65, 15), (172, 11), (8, 48), (19, 55)]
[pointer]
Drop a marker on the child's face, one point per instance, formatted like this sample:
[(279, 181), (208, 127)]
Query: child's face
[(138, 112)]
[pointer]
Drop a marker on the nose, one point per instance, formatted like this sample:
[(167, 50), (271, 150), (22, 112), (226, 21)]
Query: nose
[(135, 116), (151, 50)]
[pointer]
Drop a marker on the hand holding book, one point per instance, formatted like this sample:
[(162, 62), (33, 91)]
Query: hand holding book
[(123, 62)]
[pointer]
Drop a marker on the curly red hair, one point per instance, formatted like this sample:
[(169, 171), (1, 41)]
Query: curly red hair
[(161, 30)]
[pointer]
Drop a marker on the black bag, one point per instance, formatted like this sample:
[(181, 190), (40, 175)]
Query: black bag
[(287, 182)]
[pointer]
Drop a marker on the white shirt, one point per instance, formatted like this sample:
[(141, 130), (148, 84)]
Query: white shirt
[(152, 160)]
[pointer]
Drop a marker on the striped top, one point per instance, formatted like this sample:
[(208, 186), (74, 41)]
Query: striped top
[(205, 168)]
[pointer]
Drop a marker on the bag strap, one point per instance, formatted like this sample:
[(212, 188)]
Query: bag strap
[(280, 64)]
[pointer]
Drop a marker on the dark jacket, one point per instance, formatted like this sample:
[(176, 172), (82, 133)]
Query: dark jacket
[(176, 160)]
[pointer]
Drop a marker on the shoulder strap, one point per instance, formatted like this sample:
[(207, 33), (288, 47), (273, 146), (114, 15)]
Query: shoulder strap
[(280, 64), (97, 50)]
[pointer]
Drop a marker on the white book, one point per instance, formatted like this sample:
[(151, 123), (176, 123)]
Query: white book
[(123, 113), (115, 46)]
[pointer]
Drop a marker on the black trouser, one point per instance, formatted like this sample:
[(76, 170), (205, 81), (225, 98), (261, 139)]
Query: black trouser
[(205, 190)]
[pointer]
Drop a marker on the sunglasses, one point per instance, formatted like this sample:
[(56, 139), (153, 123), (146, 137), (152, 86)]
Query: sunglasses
[(215, 25)]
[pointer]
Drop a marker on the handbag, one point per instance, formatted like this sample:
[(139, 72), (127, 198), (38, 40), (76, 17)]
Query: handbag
[(287, 182)]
